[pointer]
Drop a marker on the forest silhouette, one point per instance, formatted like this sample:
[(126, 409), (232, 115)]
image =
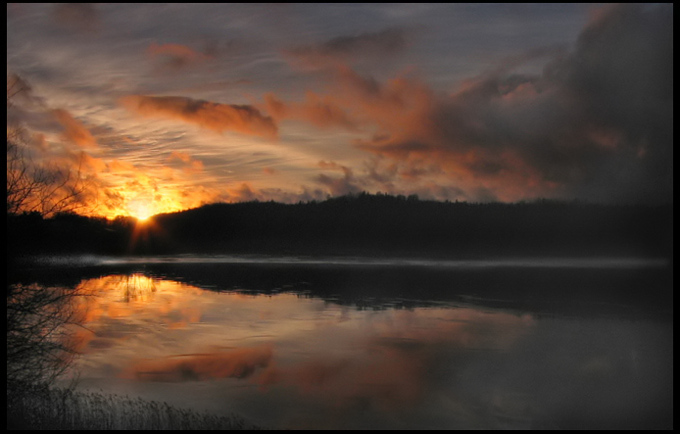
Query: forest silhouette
[(360, 225)]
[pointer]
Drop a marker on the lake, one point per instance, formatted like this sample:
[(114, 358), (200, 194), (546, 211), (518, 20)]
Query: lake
[(367, 343)]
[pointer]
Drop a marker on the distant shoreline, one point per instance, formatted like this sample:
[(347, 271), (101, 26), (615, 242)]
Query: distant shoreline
[(365, 225), (358, 261)]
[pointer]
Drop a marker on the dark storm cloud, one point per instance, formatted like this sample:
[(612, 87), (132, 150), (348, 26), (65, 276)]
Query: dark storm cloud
[(596, 124), (622, 74)]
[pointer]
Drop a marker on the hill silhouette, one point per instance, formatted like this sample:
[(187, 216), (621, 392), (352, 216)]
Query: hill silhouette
[(361, 224)]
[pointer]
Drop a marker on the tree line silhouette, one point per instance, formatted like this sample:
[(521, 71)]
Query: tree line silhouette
[(360, 224)]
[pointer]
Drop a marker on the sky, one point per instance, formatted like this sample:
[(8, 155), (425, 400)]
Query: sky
[(160, 108)]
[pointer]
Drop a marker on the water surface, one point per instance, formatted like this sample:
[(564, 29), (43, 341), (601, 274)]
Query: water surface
[(385, 344)]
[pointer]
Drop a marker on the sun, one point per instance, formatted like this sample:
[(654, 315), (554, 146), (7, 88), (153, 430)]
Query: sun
[(142, 217), (141, 211)]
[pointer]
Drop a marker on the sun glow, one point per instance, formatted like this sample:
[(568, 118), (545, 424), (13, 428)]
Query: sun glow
[(142, 207), (141, 211)]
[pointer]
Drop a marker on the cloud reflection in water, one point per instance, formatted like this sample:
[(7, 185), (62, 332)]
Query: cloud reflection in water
[(296, 362)]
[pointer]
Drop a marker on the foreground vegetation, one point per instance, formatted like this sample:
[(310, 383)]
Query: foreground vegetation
[(40, 322), (65, 409)]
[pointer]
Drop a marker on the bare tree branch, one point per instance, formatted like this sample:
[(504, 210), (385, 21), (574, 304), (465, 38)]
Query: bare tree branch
[(34, 186), (39, 319)]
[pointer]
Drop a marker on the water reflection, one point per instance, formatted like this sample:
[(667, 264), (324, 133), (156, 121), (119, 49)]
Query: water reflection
[(293, 361)]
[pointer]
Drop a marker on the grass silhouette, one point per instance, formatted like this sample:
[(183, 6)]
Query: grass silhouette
[(66, 409)]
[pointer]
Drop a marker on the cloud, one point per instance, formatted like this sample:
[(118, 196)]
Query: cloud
[(218, 117), (596, 124), (189, 165), (74, 131), (320, 111), (388, 41), (119, 166), (176, 56), (80, 17), (622, 74), (245, 192), (338, 186), (88, 164), (381, 44), (18, 89)]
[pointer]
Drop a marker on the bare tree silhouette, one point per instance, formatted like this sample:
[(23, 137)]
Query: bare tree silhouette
[(32, 186), (39, 346)]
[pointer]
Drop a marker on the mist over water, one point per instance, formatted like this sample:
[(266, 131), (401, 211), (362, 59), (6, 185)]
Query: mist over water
[(529, 262)]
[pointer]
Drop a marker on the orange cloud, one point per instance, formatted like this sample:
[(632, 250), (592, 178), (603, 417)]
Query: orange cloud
[(176, 155), (321, 111), (119, 166), (438, 138), (191, 166), (218, 117), (91, 164), (74, 131)]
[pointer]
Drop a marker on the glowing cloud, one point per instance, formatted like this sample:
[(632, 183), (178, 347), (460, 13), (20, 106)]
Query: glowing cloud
[(74, 131), (189, 165), (320, 111), (218, 117)]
